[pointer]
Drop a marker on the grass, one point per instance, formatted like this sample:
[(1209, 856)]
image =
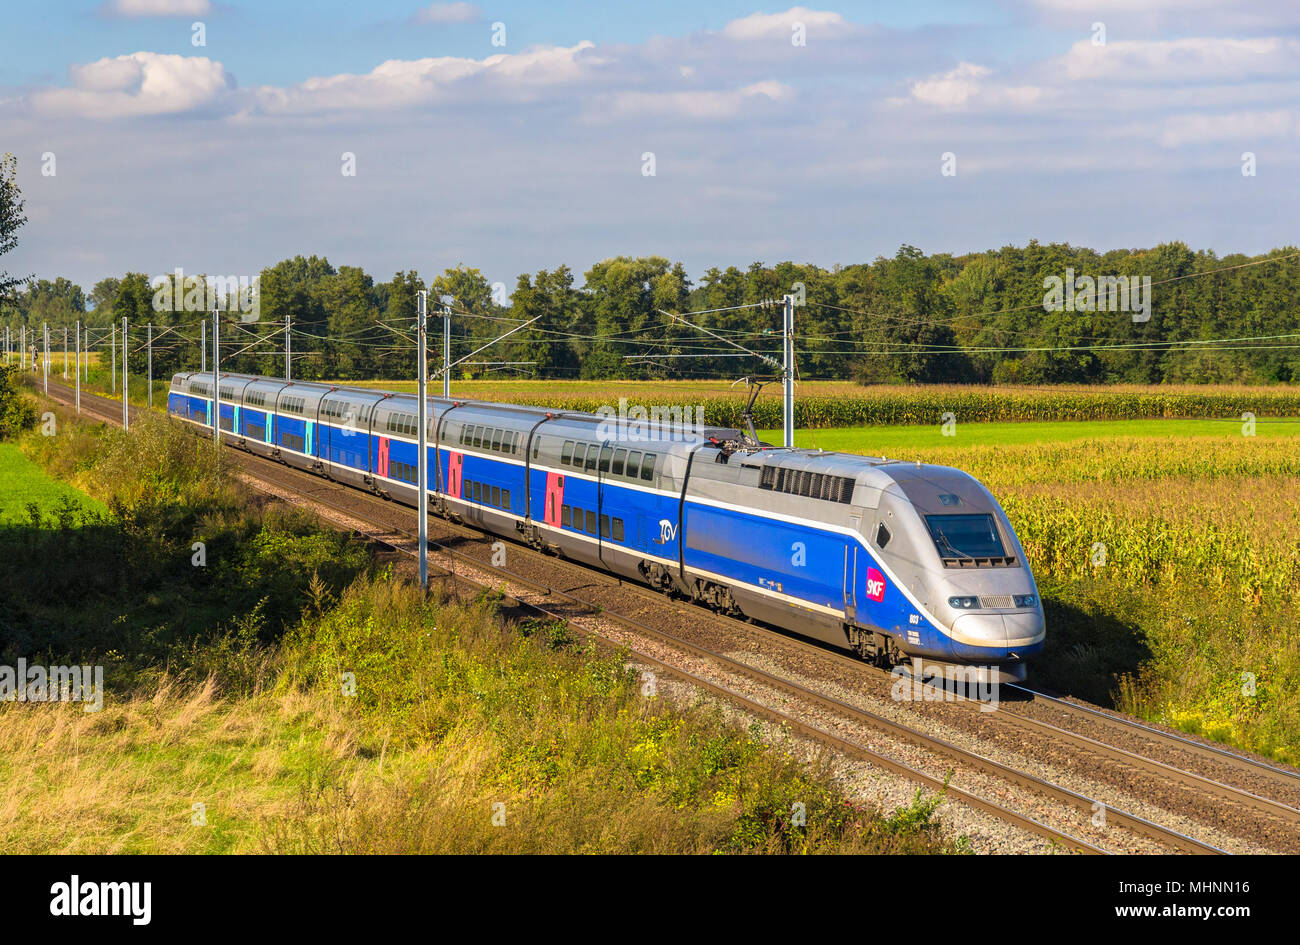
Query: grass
[(27, 484), (873, 440)]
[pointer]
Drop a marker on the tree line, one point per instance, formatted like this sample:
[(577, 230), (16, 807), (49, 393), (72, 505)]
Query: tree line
[(912, 318)]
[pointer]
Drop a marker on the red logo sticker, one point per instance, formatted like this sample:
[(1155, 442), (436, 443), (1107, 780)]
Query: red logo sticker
[(875, 584)]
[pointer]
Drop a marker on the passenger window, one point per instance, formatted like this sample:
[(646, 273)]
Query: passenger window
[(618, 529), (882, 535), (617, 467), (467, 488), (591, 522), (633, 464), (564, 515), (592, 450), (566, 454), (575, 518), (605, 453), (505, 499), (496, 496), (604, 526), (496, 440), (478, 492), (648, 467)]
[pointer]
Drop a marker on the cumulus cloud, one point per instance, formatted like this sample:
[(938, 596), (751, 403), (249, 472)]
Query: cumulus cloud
[(442, 13), (780, 25), (142, 83), (402, 82), (142, 8)]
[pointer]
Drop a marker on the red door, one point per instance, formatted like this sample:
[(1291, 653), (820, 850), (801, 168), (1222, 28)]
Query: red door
[(383, 456), (554, 498), (454, 463)]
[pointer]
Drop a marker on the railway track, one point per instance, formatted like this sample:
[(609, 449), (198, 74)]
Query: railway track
[(314, 489)]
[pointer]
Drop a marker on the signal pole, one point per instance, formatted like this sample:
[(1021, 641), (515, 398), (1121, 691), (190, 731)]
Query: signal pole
[(203, 346), (216, 378), (65, 352), (288, 367), (422, 463), (446, 350), (788, 373), (126, 416), (112, 344), (77, 372), (149, 343), (45, 361)]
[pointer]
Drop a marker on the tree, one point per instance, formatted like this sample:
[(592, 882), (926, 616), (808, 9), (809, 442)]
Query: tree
[(11, 218)]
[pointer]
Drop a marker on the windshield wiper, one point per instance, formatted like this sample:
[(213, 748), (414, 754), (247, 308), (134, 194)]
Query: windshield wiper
[(951, 547)]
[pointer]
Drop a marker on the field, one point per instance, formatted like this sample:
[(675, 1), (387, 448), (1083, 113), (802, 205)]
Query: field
[(1165, 546), (26, 483)]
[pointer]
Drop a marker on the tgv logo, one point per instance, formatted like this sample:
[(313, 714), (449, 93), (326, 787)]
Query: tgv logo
[(667, 532)]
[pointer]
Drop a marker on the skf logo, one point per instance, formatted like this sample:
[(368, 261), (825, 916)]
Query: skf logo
[(667, 532), (875, 585)]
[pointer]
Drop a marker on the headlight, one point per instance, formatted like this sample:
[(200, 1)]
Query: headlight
[(1026, 600), (963, 603)]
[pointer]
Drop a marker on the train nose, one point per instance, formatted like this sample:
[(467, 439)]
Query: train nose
[(1009, 630), (980, 629)]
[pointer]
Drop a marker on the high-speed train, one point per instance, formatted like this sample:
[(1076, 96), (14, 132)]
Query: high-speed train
[(890, 559)]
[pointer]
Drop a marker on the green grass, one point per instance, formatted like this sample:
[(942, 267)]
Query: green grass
[(873, 440), (26, 483)]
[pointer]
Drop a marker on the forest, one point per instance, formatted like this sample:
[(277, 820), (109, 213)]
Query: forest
[(977, 318)]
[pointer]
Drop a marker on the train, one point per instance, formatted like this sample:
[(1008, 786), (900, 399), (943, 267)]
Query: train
[(892, 560)]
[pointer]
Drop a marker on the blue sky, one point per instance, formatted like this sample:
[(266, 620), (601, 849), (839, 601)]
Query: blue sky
[(227, 157)]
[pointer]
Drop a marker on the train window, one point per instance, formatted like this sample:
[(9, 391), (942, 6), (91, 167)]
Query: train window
[(519, 438), (496, 496), (537, 446), (617, 467), (648, 467), (566, 453), (965, 536), (464, 435), (592, 451), (505, 499), (591, 522), (633, 464), (478, 492), (605, 453), (564, 515), (618, 529), (467, 488), (604, 526), (882, 535), (496, 440)]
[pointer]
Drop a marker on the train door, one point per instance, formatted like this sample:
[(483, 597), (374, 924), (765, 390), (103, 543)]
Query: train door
[(455, 462), (850, 581), (381, 467), (554, 498)]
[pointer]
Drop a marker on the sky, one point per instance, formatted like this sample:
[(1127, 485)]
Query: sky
[(222, 137)]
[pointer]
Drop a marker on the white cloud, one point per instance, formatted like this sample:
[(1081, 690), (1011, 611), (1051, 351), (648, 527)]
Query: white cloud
[(780, 25), (142, 83), (449, 13), (139, 8), (697, 104), (1183, 60), (954, 87), (402, 82)]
